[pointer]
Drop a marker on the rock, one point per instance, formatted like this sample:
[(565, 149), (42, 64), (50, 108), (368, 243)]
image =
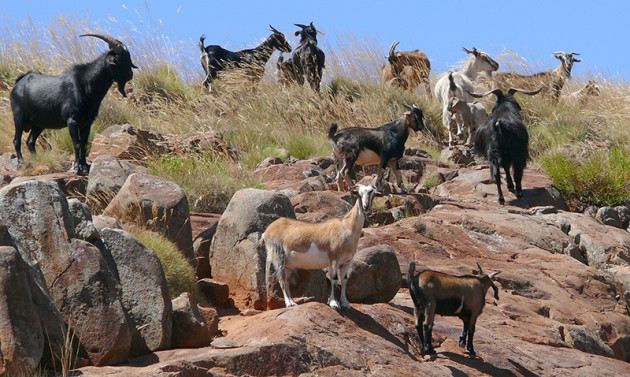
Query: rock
[(609, 216), (459, 155), (125, 142), (225, 343), (236, 257), (82, 220), (9, 162), (102, 221), (202, 143), (211, 317), (157, 204), (216, 292), (317, 206), (587, 340), (189, 326), (145, 294), (374, 276), (107, 175), (624, 216), (621, 278), (203, 227), (292, 177), (269, 161), (21, 335), (309, 284), (87, 295), (70, 184), (591, 211)]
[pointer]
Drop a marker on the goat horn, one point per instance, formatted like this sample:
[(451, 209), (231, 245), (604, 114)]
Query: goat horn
[(574, 53), (273, 29), (496, 92), (113, 43), (559, 53), (392, 49), (492, 275), (300, 25), (480, 270), (523, 91)]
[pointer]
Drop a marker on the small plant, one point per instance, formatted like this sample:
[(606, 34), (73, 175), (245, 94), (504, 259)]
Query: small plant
[(420, 226), (432, 180)]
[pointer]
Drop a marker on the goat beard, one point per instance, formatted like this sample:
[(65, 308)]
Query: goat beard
[(121, 88)]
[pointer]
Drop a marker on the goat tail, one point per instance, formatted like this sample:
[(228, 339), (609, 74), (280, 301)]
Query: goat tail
[(21, 77), (451, 81), (332, 130), (201, 40), (275, 257), (410, 272)]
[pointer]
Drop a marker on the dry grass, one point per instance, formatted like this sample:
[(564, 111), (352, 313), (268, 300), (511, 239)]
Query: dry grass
[(268, 119)]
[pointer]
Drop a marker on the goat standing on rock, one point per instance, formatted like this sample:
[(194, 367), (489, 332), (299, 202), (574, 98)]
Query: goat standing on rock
[(382, 145), (503, 139), (295, 244), (71, 99), (456, 296)]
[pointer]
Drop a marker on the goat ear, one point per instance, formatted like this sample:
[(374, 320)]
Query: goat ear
[(297, 33)]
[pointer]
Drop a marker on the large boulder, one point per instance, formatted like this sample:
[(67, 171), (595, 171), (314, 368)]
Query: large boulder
[(149, 201), (189, 325), (88, 296), (21, 335), (236, 256), (107, 175), (144, 291), (203, 227), (374, 276), (81, 283), (316, 206)]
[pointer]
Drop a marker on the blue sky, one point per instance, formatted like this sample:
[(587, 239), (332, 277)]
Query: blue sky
[(598, 30)]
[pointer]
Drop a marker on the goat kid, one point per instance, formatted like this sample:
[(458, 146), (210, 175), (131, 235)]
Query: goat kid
[(435, 292), (503, 139), (293, 244), (215, 59), (458, 84), (71, 99), (382, 145), (581, 97), (473, 114), (407, 69)]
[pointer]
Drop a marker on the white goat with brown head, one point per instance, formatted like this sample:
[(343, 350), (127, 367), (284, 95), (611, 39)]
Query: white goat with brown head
[(293, 244), (473, 114), (580, 97), (458, 84)]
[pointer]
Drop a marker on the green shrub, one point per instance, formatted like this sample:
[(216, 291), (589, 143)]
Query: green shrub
[(180, 275), (600, 179)]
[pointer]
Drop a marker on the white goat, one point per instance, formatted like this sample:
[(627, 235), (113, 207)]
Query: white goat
[(459, 84), (293, 244), (473, 114)]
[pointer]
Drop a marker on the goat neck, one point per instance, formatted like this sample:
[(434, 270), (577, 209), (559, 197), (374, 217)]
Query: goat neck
[(97, 80)]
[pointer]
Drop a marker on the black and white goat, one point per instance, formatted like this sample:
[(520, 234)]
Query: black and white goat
[(293, 244), (382, 145), (435, 292), (307, 60), (503, 139), (215, 58), (71, 99)]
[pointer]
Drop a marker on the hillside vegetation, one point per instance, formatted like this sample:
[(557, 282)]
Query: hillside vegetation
[(585, 149)]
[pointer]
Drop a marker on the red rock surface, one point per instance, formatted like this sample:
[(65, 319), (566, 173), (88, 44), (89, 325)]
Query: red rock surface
[(555, 317)]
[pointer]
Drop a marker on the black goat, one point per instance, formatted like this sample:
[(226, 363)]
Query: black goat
[(383, 145), (503, 139), (215, 58), (71, 99), (307, 60), (447, 295)]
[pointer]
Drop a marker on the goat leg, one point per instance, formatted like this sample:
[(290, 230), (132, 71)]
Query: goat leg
[(462, 338), (345, 304), (469, 346), (84, 134), (394, 169), (333, 274), (494, 171), (32, 138), (518, 176), (17, 143), (508, 178), (73, 127)]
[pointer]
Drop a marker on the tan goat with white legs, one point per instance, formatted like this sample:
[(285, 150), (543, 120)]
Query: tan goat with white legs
[(293, 244), (473, 115)]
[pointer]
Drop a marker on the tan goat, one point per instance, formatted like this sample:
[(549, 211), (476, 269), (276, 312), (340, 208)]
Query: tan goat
[(407, 69), (293, 244)]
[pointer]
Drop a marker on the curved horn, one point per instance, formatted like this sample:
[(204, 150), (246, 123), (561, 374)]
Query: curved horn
[(492, 275), (473, 51), (410, 108), (480, 270), (559, 53), (392, 49), (496, 92), (523, 91), (113, 43), (273, 29), (574, 53), (300, 25)]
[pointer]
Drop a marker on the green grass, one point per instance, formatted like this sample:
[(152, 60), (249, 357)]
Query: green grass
[(601, 178), (180, 275), (209, 181)]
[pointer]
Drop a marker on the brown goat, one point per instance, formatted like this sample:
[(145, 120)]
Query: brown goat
[(434, 293), (407, 69)]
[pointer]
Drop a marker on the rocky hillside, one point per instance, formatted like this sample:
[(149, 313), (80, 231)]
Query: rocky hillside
[(564, 286)]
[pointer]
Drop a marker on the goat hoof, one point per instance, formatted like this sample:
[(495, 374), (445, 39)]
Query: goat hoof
[(511, 189), (519, 194), (501, 200)]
